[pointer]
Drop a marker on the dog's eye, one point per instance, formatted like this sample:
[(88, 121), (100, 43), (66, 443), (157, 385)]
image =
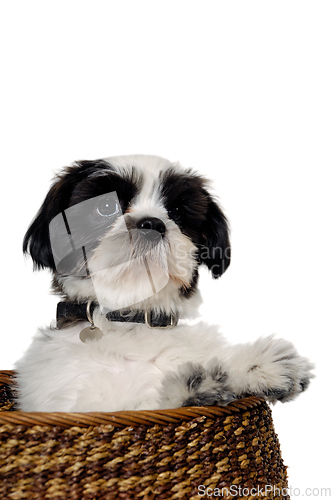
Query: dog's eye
[(174, 213), (108, 207)]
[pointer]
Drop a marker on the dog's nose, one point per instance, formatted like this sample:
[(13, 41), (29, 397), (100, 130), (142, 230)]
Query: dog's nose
[(151, 228)]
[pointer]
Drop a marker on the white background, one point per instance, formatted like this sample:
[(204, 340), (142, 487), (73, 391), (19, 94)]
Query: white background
[(241, 91)]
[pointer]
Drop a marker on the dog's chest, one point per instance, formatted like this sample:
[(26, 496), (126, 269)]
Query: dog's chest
[(124, 370)]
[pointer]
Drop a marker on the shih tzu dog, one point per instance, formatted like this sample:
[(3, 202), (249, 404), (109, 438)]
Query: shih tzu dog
[(125, 238)]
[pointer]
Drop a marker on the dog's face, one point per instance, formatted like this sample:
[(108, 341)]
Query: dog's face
[(129, 232)]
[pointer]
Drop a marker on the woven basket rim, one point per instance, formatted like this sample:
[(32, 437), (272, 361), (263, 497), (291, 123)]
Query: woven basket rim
[(120, 418)]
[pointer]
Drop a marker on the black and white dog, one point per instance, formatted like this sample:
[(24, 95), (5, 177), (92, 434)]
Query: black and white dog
[(125, 238)]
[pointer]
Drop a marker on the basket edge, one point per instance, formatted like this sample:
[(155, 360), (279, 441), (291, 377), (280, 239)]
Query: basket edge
[(120, 418)]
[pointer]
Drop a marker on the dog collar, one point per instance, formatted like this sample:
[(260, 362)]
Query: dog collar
[(82, 311)]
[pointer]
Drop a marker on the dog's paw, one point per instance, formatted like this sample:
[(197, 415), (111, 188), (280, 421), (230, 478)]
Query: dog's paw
[(195, 385), (277, 371), (208, 386)]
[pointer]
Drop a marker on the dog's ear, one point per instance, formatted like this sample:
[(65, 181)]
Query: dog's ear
[(214, 246), (37, 238)]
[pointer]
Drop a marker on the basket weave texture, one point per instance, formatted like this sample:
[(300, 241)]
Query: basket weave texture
[(163, 454)]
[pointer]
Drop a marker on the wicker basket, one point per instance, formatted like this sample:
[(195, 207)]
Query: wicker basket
[(144, 455)]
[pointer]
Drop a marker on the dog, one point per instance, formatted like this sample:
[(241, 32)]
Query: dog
[(125, 238)]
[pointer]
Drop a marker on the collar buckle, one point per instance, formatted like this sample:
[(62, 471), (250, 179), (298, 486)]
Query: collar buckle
[(149, 323)]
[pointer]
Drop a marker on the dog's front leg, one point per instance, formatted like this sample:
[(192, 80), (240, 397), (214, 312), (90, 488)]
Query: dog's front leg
[(270, 368)]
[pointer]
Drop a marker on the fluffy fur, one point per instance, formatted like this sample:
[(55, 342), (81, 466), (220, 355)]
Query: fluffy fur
[(122, 259)]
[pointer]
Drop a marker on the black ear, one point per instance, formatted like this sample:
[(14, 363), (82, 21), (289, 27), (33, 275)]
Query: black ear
[(37, 239), (214, 247)]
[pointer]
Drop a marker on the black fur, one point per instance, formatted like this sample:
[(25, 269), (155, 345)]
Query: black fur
[(196, 378), (191, 206), (188, 292), (70, 187)]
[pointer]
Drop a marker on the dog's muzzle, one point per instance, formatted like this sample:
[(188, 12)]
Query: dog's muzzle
[(151, 228)]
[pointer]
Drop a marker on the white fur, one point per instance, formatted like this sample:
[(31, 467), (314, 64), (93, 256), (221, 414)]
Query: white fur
[(126, 368), (134, 367)]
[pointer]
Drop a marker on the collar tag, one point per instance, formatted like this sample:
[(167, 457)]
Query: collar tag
[(90, 333)]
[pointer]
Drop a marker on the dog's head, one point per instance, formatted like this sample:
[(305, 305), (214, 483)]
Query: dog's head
[(129, 232)]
